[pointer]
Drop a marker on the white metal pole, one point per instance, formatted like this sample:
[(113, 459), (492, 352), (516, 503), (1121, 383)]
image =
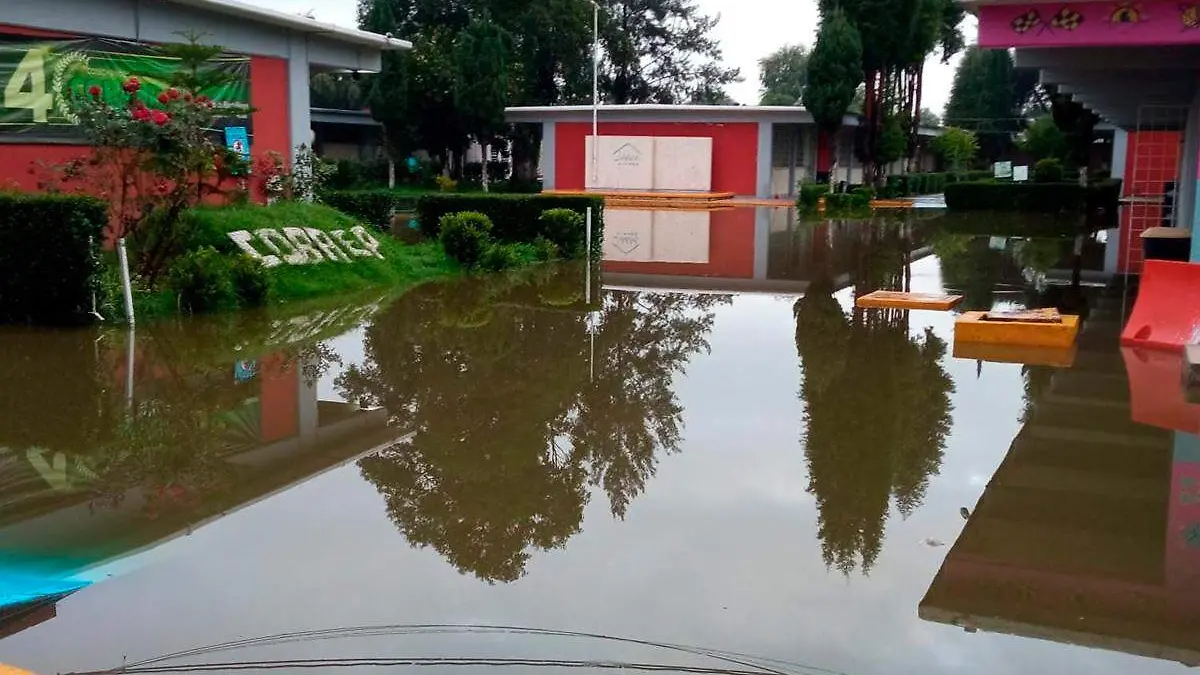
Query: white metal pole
[(595, 90), (587, 291), (126, 286)]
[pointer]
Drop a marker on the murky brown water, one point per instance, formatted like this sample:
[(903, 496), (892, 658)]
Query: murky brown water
[(717, 451)]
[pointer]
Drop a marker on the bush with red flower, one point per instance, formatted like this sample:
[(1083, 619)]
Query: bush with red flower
[(156, 156)]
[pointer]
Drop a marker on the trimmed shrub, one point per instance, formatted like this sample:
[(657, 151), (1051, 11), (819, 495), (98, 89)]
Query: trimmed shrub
[(372, 207), (546, 250), (515, 218), (203, 280), (1048, 170), (251, 281), (565, 229), (810, 195), (48, 256), (499, 257), (466, 236)]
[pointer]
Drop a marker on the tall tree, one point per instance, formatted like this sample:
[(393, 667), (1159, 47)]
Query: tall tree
[(660, 51), (990, 97), (835, 73), (783, 75), (930, 119), (897, 37)]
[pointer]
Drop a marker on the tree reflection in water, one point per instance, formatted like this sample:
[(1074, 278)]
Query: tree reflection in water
[(509, 428), (877, 404)]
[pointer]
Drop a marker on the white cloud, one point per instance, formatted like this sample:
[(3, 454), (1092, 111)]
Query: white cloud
[(749, 30)]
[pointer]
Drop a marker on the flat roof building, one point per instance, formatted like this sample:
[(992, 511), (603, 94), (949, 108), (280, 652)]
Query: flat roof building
[(283, 50), (757, 151)]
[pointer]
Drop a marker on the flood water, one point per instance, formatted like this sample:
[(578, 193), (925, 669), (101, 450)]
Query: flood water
[(710, 447)]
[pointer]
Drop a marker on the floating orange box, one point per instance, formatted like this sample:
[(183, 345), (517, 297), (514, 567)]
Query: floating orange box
[(1055, 357), (899, 300), (970, 327)]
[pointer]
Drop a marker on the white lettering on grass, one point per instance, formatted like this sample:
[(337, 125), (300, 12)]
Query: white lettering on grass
[(368, 241), (244, 240), (275, 242), (306, 245), (323, 242), (345, 241), (305, 251)]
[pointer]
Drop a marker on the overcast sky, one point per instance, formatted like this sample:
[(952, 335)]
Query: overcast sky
[(749, 30)]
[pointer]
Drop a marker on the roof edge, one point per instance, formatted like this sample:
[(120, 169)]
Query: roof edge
[(301, 24)]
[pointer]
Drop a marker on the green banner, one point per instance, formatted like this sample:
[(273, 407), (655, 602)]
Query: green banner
[(39, 78)]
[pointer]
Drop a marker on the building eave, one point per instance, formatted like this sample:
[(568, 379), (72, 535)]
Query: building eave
[(299, 24)]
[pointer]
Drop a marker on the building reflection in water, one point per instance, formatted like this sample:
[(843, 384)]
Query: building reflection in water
[(1089, 531)]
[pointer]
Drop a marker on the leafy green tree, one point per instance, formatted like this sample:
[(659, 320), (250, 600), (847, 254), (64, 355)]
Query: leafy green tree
[(897, 36), (834, 71), (991, 98), (783, 75), (1044, 140), (660, 51), (930, 119), (956, 148)]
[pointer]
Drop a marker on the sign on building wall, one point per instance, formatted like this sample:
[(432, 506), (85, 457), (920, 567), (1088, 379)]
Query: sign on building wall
[(649, 163), (41, 79)]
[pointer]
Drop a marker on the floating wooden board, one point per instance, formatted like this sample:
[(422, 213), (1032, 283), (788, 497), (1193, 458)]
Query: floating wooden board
[(971, 327), (1055, 357), (900, 300)]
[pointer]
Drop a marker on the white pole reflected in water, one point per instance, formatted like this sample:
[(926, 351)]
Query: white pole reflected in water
[(587, 277), (130, 362)]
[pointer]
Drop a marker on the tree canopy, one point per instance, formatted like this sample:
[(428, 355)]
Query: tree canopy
[(660, 51), (956, 148), (834, 71), (472, 58), (782, 75), (991, 98), (896, 37)]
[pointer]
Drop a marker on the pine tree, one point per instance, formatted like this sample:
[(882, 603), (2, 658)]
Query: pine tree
[(660, 51)]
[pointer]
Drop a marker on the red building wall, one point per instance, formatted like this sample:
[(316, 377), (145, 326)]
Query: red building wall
[(735, 150), (1152, 159), (268, 95), (730, 251)]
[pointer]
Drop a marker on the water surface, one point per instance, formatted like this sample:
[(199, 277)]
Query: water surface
[(719, 453)]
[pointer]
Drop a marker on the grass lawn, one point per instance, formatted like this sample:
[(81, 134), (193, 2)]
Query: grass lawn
[(402, 266)]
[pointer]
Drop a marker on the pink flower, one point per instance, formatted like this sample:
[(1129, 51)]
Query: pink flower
[(131, 85), (141, 115), (163, 98), (159, 117), (172, 93), (95, 91)]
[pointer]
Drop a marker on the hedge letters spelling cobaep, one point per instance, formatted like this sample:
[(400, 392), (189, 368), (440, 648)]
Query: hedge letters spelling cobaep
[(306, 246)]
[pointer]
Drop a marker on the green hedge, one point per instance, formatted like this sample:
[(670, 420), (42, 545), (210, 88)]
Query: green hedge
[(913, 184), (373, 207), (516, 218), (1032, 197), (48, 256)]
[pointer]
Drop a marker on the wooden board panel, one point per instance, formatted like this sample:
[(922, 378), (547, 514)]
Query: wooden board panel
[(900, 300)]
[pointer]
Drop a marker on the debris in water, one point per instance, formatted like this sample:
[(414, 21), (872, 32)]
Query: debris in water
[(934, 542)]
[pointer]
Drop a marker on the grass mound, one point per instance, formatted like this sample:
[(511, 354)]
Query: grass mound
[(401, 265)]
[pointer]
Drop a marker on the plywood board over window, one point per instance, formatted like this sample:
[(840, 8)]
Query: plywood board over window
[(683, 164), (649, 163)]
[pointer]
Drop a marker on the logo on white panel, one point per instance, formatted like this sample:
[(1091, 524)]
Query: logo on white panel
[(627, 155), (627, 242)]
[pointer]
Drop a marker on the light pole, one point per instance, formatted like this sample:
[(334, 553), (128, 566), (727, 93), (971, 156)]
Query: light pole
[(595, 90)]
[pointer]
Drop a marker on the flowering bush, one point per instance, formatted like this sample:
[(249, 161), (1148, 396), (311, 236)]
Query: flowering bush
[(156, 157)]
